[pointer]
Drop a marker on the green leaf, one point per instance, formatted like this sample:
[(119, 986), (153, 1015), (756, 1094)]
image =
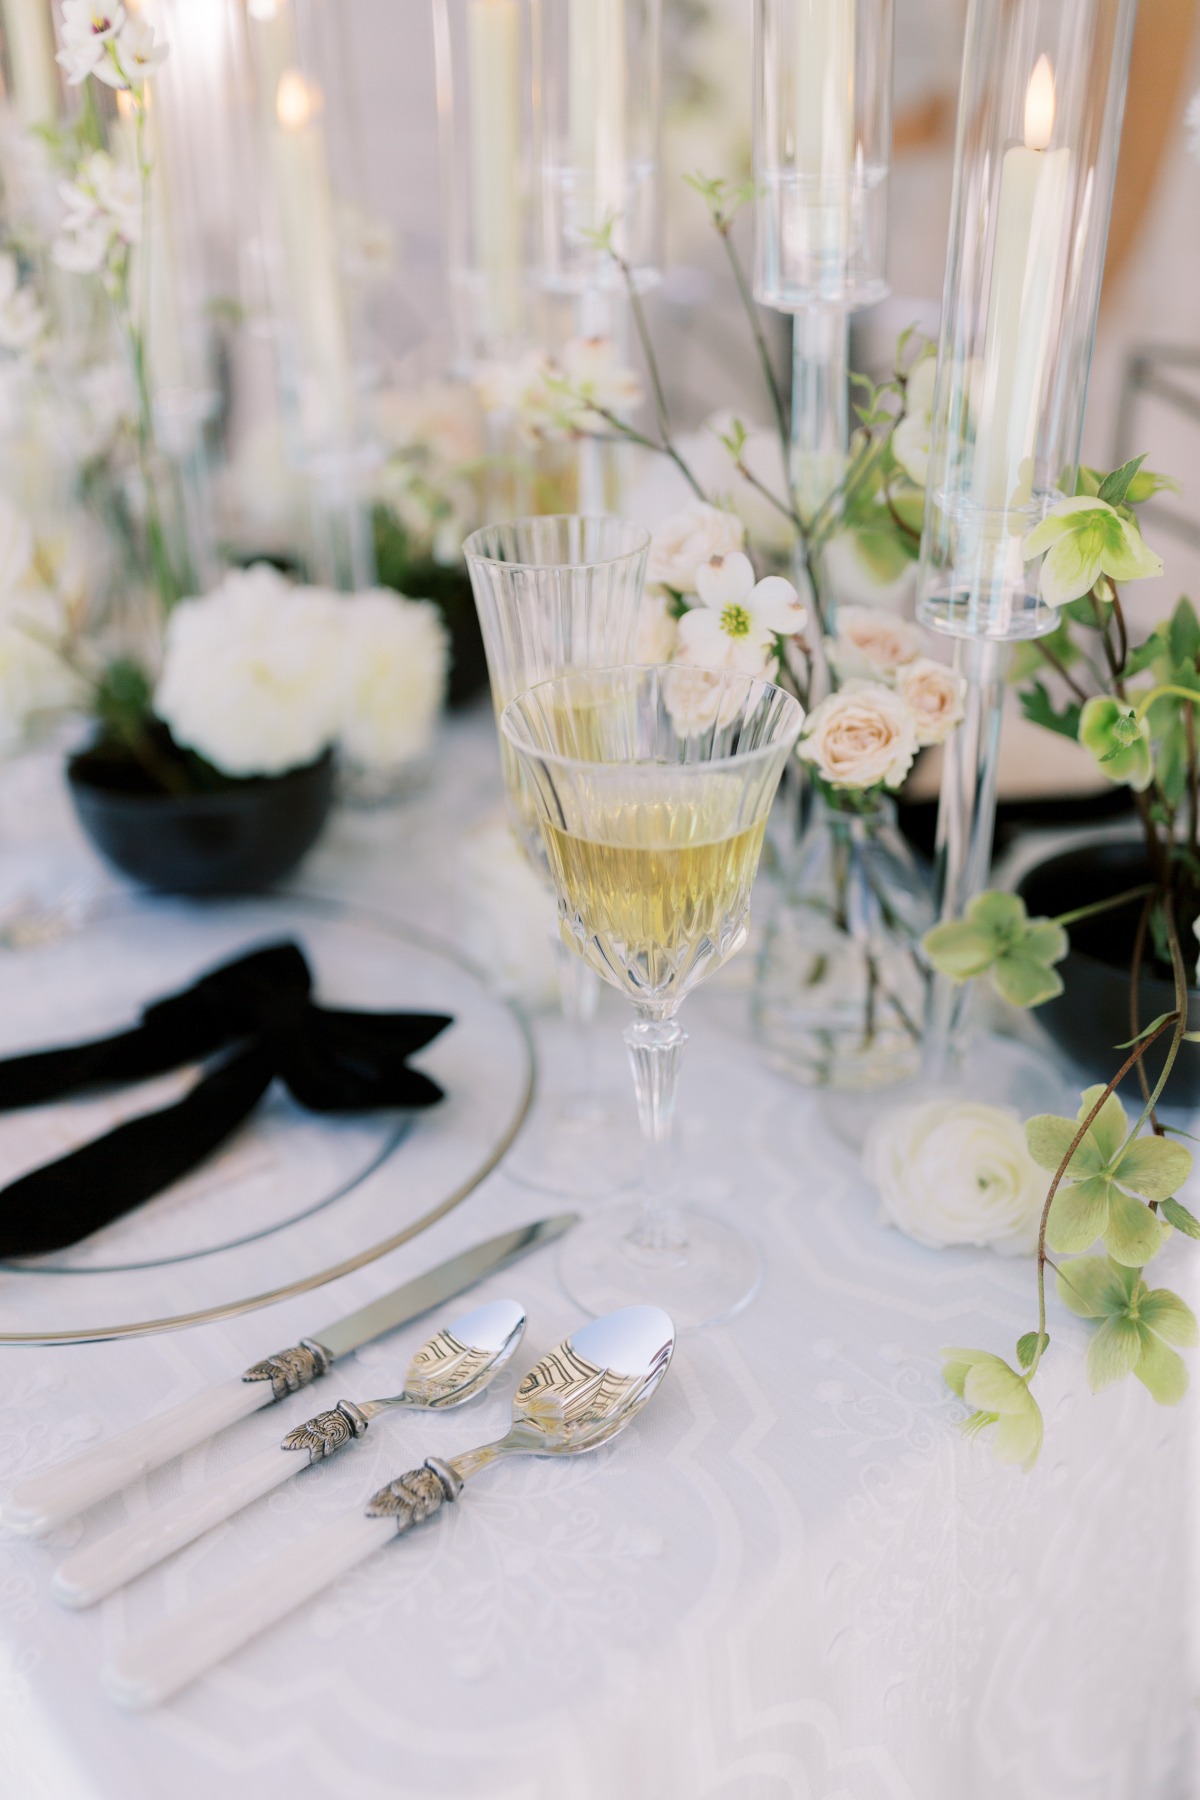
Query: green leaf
[(1183, 634), (1161, 1371), (1181, 1218), (959, 950), (1027, 1347), (1171, 1317), (1039, 709), (1133, 1235), (1049, 1137), (1153, 1167), (1024, 981), (1080, 1214), (1116, 486), (1144, 1033), (1093, 1286), (1113, 1352)]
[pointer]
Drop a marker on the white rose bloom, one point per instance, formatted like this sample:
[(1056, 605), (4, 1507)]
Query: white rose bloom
[(680, 543), (657, 631), (860, 736), (937, 697), (506, 918), (396, 658), (253, 674), (957, 1172), (872, 644)]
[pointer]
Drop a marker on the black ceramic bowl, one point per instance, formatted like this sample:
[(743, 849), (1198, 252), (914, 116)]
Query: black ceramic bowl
[(1091, 1017), (237, 840)]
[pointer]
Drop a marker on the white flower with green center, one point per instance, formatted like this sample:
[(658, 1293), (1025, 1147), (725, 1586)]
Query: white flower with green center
[(1138, 1326), (1107, 1181), (738, 620), (1082, 540)]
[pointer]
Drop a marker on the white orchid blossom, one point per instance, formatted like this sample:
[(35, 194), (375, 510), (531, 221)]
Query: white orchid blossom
[(738, 619)]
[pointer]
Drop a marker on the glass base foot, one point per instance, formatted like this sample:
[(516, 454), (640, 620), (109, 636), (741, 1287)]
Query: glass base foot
[(1000, 1070), (708, 1278), (579, 1152)]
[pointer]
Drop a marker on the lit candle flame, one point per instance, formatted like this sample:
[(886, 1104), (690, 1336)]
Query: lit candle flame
[(295, 101), (1039, 106)]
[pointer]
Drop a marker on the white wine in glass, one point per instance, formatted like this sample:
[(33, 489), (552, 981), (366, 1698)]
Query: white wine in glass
[(652, 787)]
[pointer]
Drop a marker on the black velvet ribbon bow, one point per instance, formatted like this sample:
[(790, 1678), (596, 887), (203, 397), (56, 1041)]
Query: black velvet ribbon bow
[(256, 1020)]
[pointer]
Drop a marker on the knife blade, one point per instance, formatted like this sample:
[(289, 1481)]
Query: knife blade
[(66, 1488)]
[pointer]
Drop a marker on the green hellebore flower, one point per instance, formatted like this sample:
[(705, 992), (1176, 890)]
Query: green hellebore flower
[(1083, 539), (996, 936), (1139, 1324), (1119, 741), (1096, 1197), (1001, 1398)]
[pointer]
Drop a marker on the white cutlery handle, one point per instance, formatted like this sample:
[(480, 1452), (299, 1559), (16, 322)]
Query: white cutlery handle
[(105, 1566), (152, 1668), (67, 1488)]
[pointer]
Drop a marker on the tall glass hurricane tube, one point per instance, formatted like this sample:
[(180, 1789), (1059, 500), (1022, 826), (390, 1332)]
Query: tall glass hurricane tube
[(557, 593), (1039, 128), (652, 788)]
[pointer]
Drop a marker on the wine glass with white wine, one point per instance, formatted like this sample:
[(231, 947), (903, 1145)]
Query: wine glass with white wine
[(652, 788), (555, 593)]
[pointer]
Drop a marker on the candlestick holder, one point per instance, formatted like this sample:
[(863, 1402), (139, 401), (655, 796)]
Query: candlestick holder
[(1043, 89), (597, 121), (319, 251)]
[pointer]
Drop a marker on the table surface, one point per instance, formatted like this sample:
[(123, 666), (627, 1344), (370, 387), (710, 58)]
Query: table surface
[(792, 1579)]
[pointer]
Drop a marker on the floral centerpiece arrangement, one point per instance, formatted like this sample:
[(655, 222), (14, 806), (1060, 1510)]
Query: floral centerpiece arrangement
[(1095, 1197), (191, 694)]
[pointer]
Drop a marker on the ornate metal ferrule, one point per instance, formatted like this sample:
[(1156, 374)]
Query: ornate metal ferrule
[(289, 1370), (327, 1432), (414, 1497)]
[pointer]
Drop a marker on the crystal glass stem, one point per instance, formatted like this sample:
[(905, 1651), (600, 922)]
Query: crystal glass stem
[(965, 828), (655, 1052), (820, 403)]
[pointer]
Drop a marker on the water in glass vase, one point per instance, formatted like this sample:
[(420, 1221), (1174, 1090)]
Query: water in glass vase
[(655, 895)]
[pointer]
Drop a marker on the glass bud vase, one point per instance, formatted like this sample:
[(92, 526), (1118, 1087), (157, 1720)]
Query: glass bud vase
[(840, 992)]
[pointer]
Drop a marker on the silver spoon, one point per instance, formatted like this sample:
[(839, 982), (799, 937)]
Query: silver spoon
[(577, 1398), (453, 1366)]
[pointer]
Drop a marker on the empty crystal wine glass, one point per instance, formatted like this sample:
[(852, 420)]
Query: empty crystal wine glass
[(556, 593), (652, 788)]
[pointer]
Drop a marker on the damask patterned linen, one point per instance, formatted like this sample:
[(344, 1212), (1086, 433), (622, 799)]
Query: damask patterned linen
[(792, 1579)]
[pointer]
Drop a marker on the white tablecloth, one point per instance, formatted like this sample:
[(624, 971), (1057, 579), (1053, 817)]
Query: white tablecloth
[(793, 1577)]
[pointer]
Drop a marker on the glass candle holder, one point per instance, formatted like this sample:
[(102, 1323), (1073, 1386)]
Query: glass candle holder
[(1039, 124), (822, 150), (597, 87), (484, 98)]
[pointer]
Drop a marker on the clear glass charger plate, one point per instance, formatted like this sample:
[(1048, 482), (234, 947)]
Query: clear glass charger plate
[(292, 1201)]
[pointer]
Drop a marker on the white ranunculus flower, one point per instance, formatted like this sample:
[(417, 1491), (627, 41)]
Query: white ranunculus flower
[(871, 643), (957, 1172), (937, 697), (680, 543), (506, 919), (657, 630), (253, 673), (860, 736), (737, 620), (396, 657)]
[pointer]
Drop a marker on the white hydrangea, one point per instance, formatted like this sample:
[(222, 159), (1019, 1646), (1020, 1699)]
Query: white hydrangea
[(253, 674), (396, 655)]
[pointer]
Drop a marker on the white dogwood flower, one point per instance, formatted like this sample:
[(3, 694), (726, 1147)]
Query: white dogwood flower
[(738, 619)]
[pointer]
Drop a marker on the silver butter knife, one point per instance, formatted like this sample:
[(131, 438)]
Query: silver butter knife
[(66, 1488)]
